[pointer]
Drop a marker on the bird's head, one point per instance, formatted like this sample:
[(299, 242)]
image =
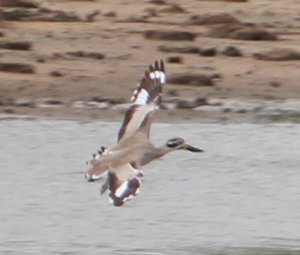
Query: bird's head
[(179, 144)]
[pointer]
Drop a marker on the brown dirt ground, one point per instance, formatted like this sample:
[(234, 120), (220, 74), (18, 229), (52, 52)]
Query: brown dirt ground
[(128, 53)]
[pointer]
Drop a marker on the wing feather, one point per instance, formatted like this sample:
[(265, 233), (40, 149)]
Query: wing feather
[(145, 99)]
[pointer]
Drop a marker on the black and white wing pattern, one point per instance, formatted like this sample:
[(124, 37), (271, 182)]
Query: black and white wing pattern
[(145, 100), (123, 184)]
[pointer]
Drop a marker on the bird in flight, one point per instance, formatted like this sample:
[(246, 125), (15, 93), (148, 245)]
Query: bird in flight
[(122, 165)]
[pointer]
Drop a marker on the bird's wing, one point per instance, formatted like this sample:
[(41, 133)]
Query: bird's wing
[(97, 165), (145, 100), (123, 184)]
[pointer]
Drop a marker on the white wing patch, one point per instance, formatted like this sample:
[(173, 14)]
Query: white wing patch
[(142, 97), (158, 75)]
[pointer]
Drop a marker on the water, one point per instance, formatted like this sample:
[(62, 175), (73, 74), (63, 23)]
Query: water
[(242, 196)]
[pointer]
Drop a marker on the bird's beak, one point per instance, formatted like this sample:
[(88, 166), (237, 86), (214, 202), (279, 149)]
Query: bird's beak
[(191, 148)]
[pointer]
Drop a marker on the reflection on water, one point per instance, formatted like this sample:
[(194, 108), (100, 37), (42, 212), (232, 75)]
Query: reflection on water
[(239, 197)]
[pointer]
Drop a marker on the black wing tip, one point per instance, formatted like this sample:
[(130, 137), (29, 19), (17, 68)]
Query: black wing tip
[(157, 66)]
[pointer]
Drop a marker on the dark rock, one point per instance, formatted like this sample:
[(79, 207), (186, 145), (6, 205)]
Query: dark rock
[(56, 73), (110, 100), (242, 32), (191, 103), (51, 101), (91, 16), (208, 52), (253, 34), (224, 31), (16, 45), (41, 60), (137, 19), (174, 8), (278, 55), (191, 79), (16, 14), (158, 2), (216, 76), (179, 49), (275, 84), (212, 19), (174, 59), (41, 14), (19, 3), (169, 35), (17, 68), (84, 54), (231, 51), (110, 14)]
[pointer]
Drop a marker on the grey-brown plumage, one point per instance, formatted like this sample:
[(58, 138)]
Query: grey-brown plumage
[(122, 164)]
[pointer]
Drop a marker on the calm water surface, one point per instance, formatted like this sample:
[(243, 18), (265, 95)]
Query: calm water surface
[(242, 196)]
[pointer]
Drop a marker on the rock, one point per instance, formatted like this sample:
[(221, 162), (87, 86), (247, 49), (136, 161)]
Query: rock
[(24, 102), (212, 19), (46, 102), (191, 79), (17, 68), (16, 45), (224, 31), (216, 76), (179, 49), (91, 16), (174, 59), (41, 60), (56, 15), (19, 3), (169, 35), (242, 32), (174, 8), (191, 103), (56, 73), (253, 34), (275, 84), (110, 14), (278, 55), (208, 52), (157, 2), (110, 100), (41, 14), (231, 51), (140, 18), (84, 54)]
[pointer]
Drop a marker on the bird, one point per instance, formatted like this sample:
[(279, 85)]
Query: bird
[(122, 165)]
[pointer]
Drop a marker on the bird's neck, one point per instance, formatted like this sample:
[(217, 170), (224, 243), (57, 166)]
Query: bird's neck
[(156, 153)]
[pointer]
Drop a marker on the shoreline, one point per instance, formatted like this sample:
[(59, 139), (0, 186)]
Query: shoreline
[(215, 111)]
